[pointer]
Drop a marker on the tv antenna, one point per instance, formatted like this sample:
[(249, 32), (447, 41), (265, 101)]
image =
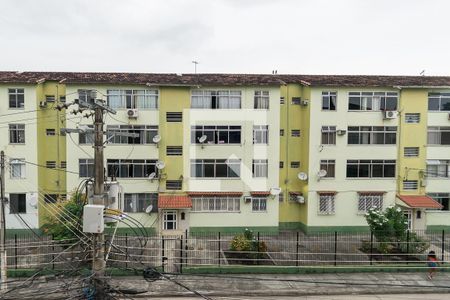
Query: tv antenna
[(195, 62)]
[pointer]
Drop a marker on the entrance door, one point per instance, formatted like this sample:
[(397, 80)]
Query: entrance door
[(408, 215), (170, 220)]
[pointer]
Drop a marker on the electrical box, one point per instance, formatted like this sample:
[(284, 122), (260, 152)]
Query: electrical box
[(93, 218)]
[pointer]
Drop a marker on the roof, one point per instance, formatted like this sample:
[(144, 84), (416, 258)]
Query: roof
[(419, 201), (260, 193), (174, 201), (215, 194), (211, 79)]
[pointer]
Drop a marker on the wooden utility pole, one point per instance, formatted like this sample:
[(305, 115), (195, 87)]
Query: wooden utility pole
[(3, 262)]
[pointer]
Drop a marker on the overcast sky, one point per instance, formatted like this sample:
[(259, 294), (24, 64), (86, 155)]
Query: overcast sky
[(227, 36)]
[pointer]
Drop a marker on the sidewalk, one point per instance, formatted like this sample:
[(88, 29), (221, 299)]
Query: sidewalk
[(290, 285)]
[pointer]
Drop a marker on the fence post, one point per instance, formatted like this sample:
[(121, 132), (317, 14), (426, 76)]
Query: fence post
[(371, 247), (181, 254), (258, 258), (126, 250), (335, 248), (162, 254), (220, 249), (407, 246), (53, 255), (442, 245), (296, 252), (15, 250), (186, 247)]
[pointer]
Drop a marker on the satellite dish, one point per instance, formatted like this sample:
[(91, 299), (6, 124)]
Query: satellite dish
[(160, 165), (202, 139), (152, 175), (156, 139), (149, 209), (302, 176), (275, 191), (33, 202), (322, 173)]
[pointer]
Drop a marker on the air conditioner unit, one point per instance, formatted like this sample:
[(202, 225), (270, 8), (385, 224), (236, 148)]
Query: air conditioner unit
[(449, 116), (304, 103), (42, 104), (133, 113), (390, 114), (341, 131), (423, 182), (247, 199), (300, 199)]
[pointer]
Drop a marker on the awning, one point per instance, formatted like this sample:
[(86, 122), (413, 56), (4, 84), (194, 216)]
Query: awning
[(235, 194), (418, 201), (174, 201), (260, 193)]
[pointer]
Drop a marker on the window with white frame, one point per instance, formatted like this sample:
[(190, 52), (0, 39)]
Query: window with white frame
[(411, 151), (328, 165), (412, 118), (259, 204), (131, 168), (260, 168), (17, 203), (138, 202), (368, 201), (438, 168), (326, 203), (17, 168), (216, 204), (86, 167), (16, 98), (16, 133), (216, 99), (170, 220), (370, 168), (372, 101), (261, 100), (443, 199), (141, 99), (87, 137), (410, 185), (438, 135), (328, 135), (260, 134), (329, 100), (372, 135), (439, 101), (116, 134), (216, 134), (215, 168)]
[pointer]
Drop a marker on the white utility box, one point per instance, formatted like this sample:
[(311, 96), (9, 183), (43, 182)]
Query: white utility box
[(93, 218)]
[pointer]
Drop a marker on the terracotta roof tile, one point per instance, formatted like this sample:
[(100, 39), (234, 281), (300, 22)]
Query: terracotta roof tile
[(215, 193), (418, 201), (260, 193), (174, 201)]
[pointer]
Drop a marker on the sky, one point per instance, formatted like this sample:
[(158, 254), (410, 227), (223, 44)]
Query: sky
[(385, 37)]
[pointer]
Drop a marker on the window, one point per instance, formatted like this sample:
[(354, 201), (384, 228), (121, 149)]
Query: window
[(16, 133), (295, 132), (367, 201), (131, 168), (281, 197), (281, 132), (50, 132), (50, 164), (174, 116), (259, 204), (438, 135), (135, 203), (281, 164), (326, 203), (260, 134), (50, 98), (51, 198), (17, 204), (63, 165), (411, 151), (170, 220), (87, 95), (372, 135), (295, 164), (372, 101), (329, 100), (216, 134), (370, 168), (328, 135), (174, 185), (260, 168), (62, 99), (88, 136), (86, 167), (17, 168), (16, 98), (409, 185), (442, 198), (328, 165), (296, 100), (261, 100), (222, 99), (215, 168), (439, 101), (281, 100), (117, 134), (141, 99), (174, 150), (438, 168), (412, 117), (216, 204)]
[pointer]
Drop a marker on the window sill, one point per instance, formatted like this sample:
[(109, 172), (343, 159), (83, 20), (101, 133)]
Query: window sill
[(259, 212), (17, 144), (325, 214)]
